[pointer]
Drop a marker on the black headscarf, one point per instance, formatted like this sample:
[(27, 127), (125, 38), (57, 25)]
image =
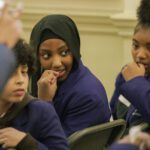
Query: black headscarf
[(62, 26)]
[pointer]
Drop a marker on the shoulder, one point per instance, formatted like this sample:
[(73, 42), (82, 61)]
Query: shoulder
[(87, 87), (41, 106), (88, 80), (119, 79)]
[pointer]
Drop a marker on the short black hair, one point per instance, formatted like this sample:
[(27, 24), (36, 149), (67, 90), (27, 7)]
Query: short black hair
[(25, 55)]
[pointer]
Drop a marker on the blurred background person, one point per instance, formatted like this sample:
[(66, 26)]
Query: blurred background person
[(10, 31)]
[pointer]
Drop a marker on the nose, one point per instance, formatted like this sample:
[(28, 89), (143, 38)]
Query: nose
[(141, 54), (56, 62), (19, 78)]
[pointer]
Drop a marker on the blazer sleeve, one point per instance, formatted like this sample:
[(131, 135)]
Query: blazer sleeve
[(52, 136), (137, 91), (84, 110), (114, 100)]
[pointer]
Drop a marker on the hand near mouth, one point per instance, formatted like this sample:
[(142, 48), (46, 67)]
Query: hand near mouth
[(47, 85), (133, 70)]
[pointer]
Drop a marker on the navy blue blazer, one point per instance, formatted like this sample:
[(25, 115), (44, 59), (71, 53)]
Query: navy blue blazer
[(81, 101), (40, 120), (137, 92), (117, 146)]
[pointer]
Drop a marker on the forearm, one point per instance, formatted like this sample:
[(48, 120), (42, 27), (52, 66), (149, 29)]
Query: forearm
[(137, 91)]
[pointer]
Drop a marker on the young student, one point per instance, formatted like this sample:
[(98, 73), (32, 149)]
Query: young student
[(25, 122), (133, 83), (79, 97)]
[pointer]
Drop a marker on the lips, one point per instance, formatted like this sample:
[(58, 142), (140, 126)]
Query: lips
[(19, 92), (61, 73), (145, 64)]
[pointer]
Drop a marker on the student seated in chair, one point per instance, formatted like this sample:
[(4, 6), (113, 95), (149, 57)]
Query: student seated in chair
[(27, 123), (131, 99), (78, 96)]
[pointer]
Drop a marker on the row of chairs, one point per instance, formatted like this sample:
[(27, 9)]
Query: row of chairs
[(97, 137)]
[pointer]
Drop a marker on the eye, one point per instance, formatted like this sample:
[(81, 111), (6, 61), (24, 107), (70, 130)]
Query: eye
[(24, 71), (135, 46), (148, 48), (65, 52), (45, 55)]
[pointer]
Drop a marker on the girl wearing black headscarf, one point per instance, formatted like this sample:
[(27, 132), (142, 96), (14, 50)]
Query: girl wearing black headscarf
[(78, 96)]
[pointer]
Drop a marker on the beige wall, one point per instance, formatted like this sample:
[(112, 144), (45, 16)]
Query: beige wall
[(105, 27)]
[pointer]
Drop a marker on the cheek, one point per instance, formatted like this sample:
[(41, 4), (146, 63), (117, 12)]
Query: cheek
[(69, 62), (7, 89), (6, 93), (45, 64), (26, 84), (148, 55), (133, 55)]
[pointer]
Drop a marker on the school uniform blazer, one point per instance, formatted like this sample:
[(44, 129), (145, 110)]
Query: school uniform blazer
[(7, 64), (137, 92), (81, 101), (114, 100), (117, 146), (39, 119)]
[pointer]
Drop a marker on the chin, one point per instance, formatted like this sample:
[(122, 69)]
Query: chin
[(61, 79), (147, 73), (17, 100)]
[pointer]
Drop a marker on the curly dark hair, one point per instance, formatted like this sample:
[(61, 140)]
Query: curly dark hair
[(25, 55)]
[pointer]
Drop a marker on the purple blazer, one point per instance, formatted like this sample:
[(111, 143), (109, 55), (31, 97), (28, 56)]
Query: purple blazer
[(137, 92), (81, 101), (40, 120), (117, 146)]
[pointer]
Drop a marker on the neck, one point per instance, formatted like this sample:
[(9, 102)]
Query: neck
[(4, 106)]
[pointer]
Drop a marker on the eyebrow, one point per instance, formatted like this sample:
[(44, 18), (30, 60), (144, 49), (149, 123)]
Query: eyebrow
[(25, 66), (134, 40), (44, 50), (59, 49)]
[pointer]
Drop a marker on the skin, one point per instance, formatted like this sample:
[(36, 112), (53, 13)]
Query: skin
[(10, 25), (56, 60), (141, 55), (142, 140), (13, 92)]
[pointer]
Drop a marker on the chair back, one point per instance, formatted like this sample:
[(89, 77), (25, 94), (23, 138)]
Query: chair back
[(97, 137)]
